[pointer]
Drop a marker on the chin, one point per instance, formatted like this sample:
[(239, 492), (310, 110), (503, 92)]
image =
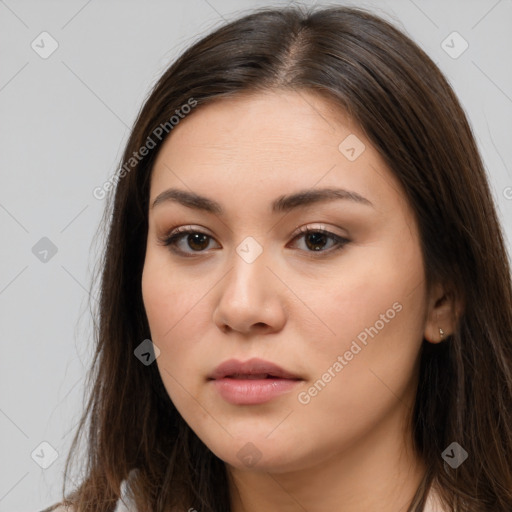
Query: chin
[(261, 453)]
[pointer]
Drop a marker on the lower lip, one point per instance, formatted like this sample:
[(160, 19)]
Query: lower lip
[(252, 391)]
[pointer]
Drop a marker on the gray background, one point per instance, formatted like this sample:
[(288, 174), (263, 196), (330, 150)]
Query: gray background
[(65, 119)]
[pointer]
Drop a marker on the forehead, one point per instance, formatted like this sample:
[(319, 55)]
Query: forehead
[(281, 124), (268, 144)]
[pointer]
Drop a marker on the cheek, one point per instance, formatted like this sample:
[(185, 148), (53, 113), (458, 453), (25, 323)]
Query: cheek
[(382, 290), (376, 313), (177, 315), (169, 297)]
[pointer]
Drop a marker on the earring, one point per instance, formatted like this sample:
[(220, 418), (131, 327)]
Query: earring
[(441, 333)]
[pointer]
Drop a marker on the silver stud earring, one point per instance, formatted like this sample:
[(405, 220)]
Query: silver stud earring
[(441, 333)]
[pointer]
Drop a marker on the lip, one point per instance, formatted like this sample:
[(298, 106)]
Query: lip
[(251, 382), (254, 366)]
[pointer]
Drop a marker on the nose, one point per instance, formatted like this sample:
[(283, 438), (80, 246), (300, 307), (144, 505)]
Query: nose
[(250, 298)]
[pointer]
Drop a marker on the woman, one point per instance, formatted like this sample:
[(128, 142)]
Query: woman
[(306, 297)]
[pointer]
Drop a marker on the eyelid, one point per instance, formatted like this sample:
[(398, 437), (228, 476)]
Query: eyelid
[(185, 229), (322, 228)]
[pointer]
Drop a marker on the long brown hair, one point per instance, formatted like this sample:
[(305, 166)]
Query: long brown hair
[(406, 108)]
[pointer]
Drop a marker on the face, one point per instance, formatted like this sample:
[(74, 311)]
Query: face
[(329, 288)]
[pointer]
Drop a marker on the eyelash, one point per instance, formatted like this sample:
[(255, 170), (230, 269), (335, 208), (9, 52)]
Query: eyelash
[(174, 237)]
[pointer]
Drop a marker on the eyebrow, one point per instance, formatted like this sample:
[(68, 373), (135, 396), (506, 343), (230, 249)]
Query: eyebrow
[(284, 203)]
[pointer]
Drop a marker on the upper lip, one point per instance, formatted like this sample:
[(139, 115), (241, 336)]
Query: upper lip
[(253, 366)]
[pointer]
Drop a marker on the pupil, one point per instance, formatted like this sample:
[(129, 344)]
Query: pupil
[(196, 238), (317, 238)]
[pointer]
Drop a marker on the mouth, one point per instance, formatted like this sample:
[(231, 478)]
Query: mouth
[(253, 382)]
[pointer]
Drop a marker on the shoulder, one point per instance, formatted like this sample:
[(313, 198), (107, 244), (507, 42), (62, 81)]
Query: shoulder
[(59, 508), (434, 503), (124, 504)]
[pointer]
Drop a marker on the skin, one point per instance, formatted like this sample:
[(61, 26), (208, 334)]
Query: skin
[(299, 308)]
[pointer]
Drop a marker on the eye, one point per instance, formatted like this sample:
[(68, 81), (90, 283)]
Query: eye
[(196, 240), (316, 239)]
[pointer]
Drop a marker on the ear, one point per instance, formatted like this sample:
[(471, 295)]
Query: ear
[(443, 313)]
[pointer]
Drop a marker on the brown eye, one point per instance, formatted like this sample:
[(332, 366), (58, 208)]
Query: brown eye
[(197, 241), (185, 241), (317, 239)]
